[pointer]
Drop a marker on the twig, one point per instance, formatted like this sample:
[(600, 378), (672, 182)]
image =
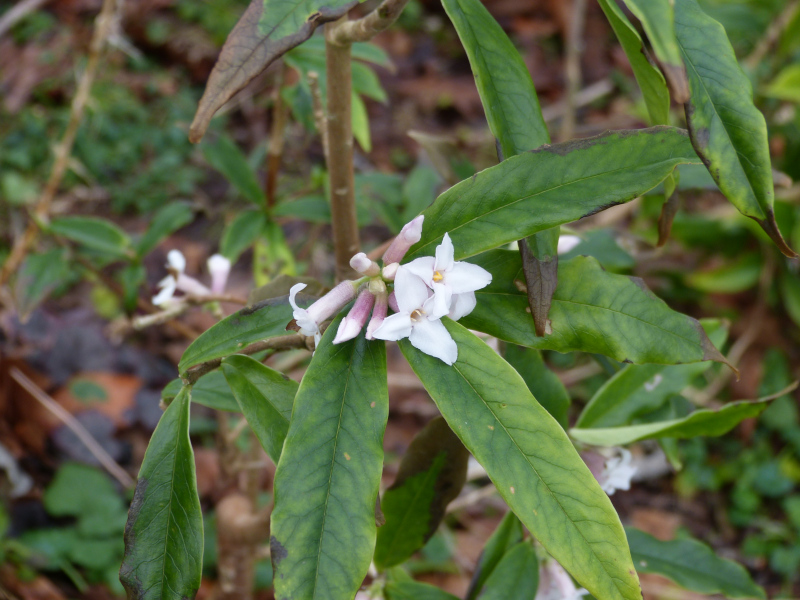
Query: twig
[(102, 28), (366, 28), (572, 66), (771, 35), (103, 457), (282, 342), (340, 153), (471, 498), (320, 119), (280, 116), (19, 12), (586, 96)]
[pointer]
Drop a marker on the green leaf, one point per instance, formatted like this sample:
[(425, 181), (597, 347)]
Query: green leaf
[(692, 565), (164, 535), (636, 390), (545, 385), (94, 233), (516, 577), (786, 85), (210, 390), (39, 276), (551, 186), (790, 293), (315, 209), (593, 311), (266, 398), (360, 122), (650, 79), (419, 191), (262, 320), (508, 534), (727, 130), (267, 30), (530, 459), (226, 157), (658, 20), (414, 590), (166, 221), (432, 473), (241, 233), (710, 423), (731, 278), (504, 83), (88, 494), (326, 484)]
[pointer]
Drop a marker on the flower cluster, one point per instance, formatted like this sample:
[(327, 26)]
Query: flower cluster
[(425, 290), (218, 266)]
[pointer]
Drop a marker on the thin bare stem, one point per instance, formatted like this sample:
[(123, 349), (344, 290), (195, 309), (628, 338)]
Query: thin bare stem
[(280, 116), (103, 457), (20, 10), (103, 27), (366, 28), (572, 66), (320, 119), (340, 154), (772, 34)]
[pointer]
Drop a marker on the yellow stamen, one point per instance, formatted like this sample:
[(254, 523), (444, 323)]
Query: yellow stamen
[(417, 315), (437, 276)]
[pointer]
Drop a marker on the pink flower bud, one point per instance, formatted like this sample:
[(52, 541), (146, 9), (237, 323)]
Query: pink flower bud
[(393, 302), (190, 285), (220, 268), (362, 263), (378, 314), (352, 324), (332, 302), (408, 236), (390, 270)]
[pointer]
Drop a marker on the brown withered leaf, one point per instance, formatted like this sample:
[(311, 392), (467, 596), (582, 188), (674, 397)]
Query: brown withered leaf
[(541, 277), (247, 53)]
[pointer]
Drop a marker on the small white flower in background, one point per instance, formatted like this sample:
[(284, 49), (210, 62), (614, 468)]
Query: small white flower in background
[(219, 267), (617, 472), (567, 242), (453, 283), (309, 319), (556, 584), (177, 280), (416, 320)]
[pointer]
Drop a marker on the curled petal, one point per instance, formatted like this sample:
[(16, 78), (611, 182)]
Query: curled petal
[(410, 291), (466, 277), (432, 337), (295, 289), (445, 253), (394, 327), (307, 325), (461, 305)]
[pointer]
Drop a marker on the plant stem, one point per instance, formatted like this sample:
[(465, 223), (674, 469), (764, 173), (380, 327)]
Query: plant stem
[(340, 153), (280, 114), (366, 28)]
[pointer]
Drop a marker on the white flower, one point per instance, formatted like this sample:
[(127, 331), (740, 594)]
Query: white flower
[(417, 320), (177, 280), (309, 320), (567, 242), (556, 584), (617, 473), (219, 267), (453, 283)]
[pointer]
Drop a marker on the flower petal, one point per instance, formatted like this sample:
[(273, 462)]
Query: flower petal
[(422, 268), (176, 260), (438, 305), (297, 287), (219, 267), (461, 305), (466, 277), (444, 254), (395, 327), (432, 338), (168, 286), (410, 291)]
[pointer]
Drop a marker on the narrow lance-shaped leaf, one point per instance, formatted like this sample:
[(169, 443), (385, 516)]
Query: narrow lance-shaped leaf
[(97, 234), (593, 311), (515, 118), (265, 397), (705, 422), (508, 534), (516, 577), (262, 320), (432, 473), (692, 565), (226, 157), (415, 590), (326, 485), (164, 534), (727, 130), (551, 186), (210, 390), (530, 459), (545, 385), (658, 20), (636, 390), (267, 29), (651, 81)]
